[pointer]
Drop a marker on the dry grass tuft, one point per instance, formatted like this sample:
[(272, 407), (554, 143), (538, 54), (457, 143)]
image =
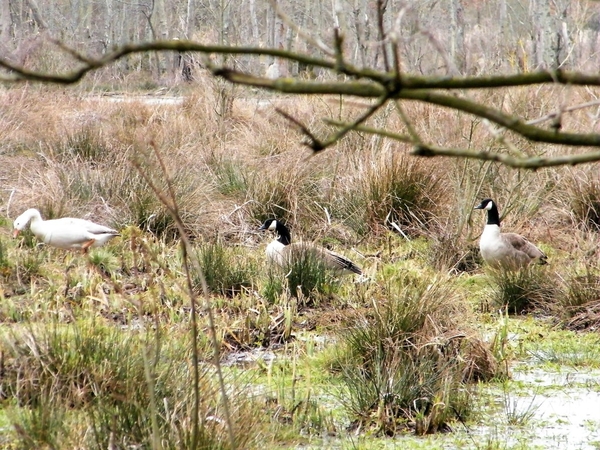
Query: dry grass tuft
[(578, 306), (391, 191), (405, 367), (95, 372), (523, 291), (581, 198)]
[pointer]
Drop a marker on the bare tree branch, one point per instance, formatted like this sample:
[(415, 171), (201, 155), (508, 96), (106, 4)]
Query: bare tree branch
[(365, 129), (312, 141), (427, 150), (552, 116), (533, 162), (369, 83), (408, 81)]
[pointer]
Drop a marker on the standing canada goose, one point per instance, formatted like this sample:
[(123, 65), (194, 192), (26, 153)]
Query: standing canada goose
[(66, 233), (506, 250), (281, 250)]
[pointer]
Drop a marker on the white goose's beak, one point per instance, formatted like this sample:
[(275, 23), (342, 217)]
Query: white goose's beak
[(16, 233)]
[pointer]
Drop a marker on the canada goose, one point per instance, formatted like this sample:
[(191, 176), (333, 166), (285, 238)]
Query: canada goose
[(281, 249), (66, 233), (506, 250)]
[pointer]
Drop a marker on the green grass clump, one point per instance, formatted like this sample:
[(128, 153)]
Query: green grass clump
[(309, 278), (230, 176), (103, 260), (524, 290), (84, 144), (274, 285), (226, 270), (305, 277), (131, 389), (395, 192), (41, 427), (296, 404), (404, 367), (30, 265), (5, 265)]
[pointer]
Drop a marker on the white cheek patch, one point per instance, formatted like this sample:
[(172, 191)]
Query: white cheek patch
[(273, 226), (488, 206)]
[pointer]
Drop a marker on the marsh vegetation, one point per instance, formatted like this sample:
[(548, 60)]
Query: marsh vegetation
[(98, 351)]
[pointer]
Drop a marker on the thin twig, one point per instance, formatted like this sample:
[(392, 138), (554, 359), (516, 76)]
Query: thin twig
[(317, 145), (318, 43), (171, 204), (313, 142), (411, 130), (552, 115), (71, 51), (533, 162), (381, 7), (365, 129)]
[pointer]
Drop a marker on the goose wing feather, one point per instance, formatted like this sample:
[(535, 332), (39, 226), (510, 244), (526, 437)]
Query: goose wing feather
[(65, 234), (87, 225), (343, 262), (521, 244), (331, 259)]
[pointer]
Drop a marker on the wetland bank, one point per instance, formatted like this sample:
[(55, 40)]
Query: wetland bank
[(434, 350)]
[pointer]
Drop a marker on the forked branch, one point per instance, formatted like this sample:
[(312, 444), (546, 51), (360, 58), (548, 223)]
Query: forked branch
[(382, 85)]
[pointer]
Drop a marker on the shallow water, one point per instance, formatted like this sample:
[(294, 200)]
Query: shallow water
[(566, 407), (563, 408)]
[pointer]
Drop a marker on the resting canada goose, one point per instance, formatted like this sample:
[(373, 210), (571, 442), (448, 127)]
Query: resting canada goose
[(67, 233), (506, 250), (281, 250)]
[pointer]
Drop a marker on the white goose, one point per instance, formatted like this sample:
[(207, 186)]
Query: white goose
[(281, 250), (510, 251), (67, 232)]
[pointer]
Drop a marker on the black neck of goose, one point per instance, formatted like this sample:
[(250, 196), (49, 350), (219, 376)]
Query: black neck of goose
[(283, 234), (493, 216)]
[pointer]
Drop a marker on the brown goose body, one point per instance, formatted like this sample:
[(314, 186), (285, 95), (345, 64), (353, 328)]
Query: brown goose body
[(509, 251), (282, 251)]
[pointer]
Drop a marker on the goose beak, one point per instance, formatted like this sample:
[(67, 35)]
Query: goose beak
[(480, 206), (262, 228), (15, 233)]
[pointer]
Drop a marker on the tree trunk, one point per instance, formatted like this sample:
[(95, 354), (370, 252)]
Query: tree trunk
[(225, 90), (190, 23), (545, 34), (5, 25), (564, 40), (361, 48), (159, 31), (457, 35), (39, 20), (254, 23)]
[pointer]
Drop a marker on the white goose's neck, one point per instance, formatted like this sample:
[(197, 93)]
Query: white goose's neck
[(34, 215), (36, 223)]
